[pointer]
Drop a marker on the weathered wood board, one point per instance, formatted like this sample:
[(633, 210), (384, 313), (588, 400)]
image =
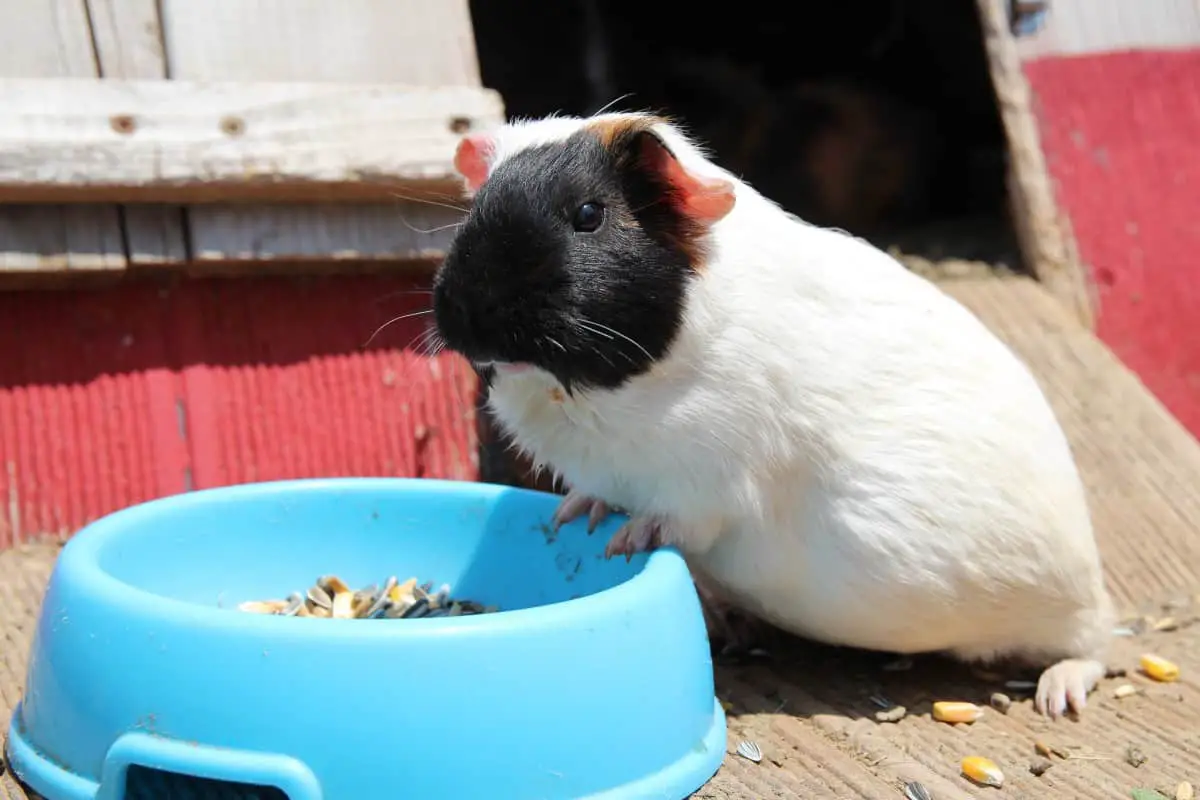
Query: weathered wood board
[(179, 141), (350, 41), (394, 42), (52, 39)]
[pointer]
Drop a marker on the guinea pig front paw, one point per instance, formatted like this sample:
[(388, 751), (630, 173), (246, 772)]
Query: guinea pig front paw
[(638, 535), (575, 505)]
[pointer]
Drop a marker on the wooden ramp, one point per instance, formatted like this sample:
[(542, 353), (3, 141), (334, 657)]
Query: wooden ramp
[(811, 708)]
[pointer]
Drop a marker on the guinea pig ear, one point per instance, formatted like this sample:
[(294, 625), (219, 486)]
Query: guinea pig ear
[(471, 158), (706, 200)]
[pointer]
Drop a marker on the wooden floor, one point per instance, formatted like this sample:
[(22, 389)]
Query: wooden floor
[(811, 709)]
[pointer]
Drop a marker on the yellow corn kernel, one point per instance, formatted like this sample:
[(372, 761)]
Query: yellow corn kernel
[(954, 711), (1125, 690), (1159, 668), (1184, 791), (982, 771)]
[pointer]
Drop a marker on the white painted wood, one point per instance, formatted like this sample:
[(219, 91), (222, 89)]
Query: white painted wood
[(384, 232), (60, 239), (45, 39), (421, 42), (1075, 27), (51, 39), (179, 141), (128, 39), (425, 42), (155, 235), (129, 45)]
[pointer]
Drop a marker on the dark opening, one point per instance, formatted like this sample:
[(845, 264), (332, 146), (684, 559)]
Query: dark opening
[(875, 116), (144, 783)]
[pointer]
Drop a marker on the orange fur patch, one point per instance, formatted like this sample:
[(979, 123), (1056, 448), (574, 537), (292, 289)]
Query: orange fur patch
[(614, 129), (614, 132)]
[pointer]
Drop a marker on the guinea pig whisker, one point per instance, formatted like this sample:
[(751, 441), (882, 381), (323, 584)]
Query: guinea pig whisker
[(421, 344), (604, 328), (415, 229), (400, 318), (611, 103), (428, 202), (555, 342)]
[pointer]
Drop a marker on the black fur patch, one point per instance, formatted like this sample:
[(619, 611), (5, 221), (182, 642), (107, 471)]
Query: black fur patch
[(594, 309)]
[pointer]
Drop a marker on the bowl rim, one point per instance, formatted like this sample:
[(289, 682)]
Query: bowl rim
[(79, 563)]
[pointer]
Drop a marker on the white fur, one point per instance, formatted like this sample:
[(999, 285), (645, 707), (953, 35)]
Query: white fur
[(842, 448)]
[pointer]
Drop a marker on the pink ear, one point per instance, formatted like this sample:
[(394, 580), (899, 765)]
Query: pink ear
[(471, 159), (704, 199)]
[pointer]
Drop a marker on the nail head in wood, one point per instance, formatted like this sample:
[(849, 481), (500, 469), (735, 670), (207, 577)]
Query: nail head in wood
[(233, 126), (123, 123)]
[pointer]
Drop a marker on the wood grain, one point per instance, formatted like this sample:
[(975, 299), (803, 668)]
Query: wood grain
[(1043, 230), (322, 233), (413, 42), (129, 45), (51, 39), (350, 41), (193, 142)]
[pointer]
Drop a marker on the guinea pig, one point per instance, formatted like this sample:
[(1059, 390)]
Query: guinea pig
[(834, 445)]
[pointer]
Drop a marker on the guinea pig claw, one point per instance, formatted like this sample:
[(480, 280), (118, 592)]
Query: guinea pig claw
[(638, 535), (575, 505)]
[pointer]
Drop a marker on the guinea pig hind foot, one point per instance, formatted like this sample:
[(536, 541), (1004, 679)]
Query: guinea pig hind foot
[(1066, 684)]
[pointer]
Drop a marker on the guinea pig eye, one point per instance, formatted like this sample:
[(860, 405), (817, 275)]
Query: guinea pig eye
[(588, 217)]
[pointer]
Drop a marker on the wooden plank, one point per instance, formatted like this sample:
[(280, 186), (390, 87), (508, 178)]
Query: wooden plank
[(1043, 230), (190, 142), (60, 239), (1074, 27), (51, 39), (128, 39), (295, 234), (358, 41), (352, 41), (129, 45), (45, 39)]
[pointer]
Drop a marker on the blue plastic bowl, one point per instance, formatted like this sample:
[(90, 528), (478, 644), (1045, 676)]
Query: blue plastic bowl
[(594, 680)]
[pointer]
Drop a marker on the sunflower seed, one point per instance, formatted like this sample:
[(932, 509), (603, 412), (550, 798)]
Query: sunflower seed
[(750, 751), (417, 609), (916, 791), (319, 598), (331, 597), (295, 603)]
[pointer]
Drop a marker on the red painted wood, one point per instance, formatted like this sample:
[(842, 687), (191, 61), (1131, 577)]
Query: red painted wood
[(1121, 133), (110, 397)]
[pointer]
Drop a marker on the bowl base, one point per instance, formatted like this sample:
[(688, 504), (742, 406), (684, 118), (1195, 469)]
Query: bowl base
[(53, 782)]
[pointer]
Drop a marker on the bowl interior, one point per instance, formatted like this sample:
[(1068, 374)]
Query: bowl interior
[(491, 544)]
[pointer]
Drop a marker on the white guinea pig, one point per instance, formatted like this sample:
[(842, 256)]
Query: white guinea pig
[(835, 446)]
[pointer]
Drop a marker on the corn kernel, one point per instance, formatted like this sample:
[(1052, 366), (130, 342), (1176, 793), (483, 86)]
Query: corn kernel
[(982, 771), (1125, 690), (1159, 668), (1184, 791), (953, 711)]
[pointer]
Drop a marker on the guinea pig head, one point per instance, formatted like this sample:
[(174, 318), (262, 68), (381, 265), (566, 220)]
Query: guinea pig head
[(576, 254)]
